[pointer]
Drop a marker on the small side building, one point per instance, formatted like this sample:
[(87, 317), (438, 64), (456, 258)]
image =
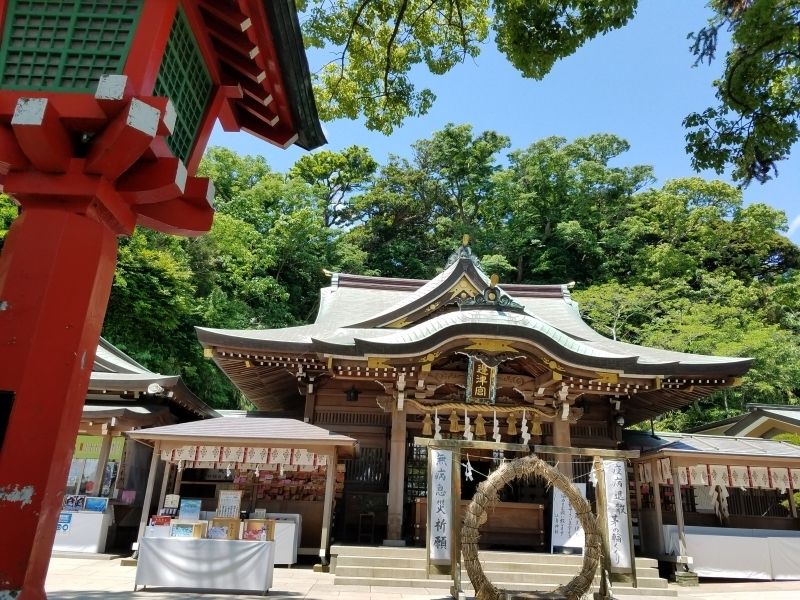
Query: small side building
[(760, 420), (728, 502), (123, 396)]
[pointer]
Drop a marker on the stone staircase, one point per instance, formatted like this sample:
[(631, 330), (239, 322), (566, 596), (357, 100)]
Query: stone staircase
[(513, 571)]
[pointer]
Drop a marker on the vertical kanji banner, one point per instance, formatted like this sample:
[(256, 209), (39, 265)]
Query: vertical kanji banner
[(617, 516), (440, 506)]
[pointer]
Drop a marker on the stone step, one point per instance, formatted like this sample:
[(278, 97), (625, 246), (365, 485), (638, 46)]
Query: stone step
[(346, 564), (386, 552), (444, 584), (380, 573)]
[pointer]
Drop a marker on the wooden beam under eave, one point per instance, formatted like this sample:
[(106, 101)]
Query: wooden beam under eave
[(259, 111), (236, 40), (228, 13), (244, 66)]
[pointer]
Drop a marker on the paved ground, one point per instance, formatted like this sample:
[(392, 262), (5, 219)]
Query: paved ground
[(97, 579)]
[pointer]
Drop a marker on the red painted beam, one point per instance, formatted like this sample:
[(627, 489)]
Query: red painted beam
[(149, 43), (151, 182), (124, 141), (78, 112), (189, 216), (41, 135)]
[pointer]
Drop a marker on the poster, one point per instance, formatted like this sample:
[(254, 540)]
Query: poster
[(566, 529), (229, 503), (440, 505), (74, 503), (64, 522), (94, 504), (190, 509), (617, 516)]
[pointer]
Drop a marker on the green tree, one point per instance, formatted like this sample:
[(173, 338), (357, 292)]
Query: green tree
[(379, 46), (755, 123), (335, 176), (561, 203), (417, 209)]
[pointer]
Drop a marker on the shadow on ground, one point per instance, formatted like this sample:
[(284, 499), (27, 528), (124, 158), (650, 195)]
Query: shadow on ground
[(171, 593)]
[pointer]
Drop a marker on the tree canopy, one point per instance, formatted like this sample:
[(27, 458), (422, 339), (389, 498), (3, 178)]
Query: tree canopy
[(683, 265), (379, 46)]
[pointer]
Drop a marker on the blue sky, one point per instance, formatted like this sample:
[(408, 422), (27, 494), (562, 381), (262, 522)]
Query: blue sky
[(637, 82)]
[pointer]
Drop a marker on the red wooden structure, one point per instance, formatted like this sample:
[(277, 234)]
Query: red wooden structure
[(105, 110)]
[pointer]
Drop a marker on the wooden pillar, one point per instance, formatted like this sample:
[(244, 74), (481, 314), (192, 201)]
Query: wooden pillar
[(676, 491), (148, 492), (563, 439), (792, 504), (176, 488), (100, 469), (311, 401), (397, 477), (659, 515), (164, 483), (602, 524), (327, 509), (637, 483)]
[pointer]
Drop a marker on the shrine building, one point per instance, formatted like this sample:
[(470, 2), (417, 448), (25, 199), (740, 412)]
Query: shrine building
[(388, 360)]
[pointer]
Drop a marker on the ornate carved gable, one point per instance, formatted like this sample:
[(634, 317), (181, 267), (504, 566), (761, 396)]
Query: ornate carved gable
[(462, 286)]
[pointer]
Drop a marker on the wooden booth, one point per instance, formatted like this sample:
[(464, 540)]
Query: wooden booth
[(459, 356), (123, 396), (276, 469), (719, 506)]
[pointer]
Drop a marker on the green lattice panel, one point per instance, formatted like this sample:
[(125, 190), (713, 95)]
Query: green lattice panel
[(183, 77), (65, 45)]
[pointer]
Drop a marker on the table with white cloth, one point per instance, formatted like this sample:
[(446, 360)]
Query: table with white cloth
[(736, 553), (205, 564)]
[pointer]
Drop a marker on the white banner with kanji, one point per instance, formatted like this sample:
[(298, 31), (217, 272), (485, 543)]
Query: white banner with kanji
[(617, 517), (440, 507)]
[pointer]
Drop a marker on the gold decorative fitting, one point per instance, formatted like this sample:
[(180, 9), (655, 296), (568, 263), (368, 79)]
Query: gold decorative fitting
[(490, 345), (609, 378), (494, 280), (377, 362)]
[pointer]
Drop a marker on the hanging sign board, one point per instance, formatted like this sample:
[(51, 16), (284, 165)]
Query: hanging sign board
[(617, 515), (440, 506), (481, 382), (566, 529)]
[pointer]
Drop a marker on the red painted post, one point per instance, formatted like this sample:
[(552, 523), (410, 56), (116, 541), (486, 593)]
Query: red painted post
[(56, 270)]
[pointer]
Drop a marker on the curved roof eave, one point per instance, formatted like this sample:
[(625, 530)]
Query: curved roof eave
[(428, 335)]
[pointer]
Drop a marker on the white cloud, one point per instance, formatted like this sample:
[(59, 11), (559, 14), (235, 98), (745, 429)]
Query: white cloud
[(794, 227)]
